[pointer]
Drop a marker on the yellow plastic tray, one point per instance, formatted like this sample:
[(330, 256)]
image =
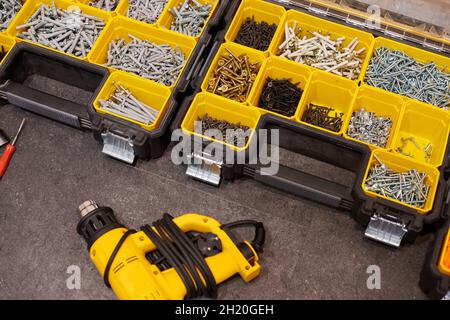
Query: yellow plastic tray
[(86, 2), (153, 94), (329, 90), (277, 68), (427, 126), (261, 11), (32, 5), (222, 109), (444, 261), (401, 163), (120, 28), (122, 10), (309, 23), (6, 44), (381, 103)]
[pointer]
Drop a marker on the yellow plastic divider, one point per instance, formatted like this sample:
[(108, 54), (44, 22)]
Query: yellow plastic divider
[(152, 94), (444, 261), (428, 126), (308, 23), (166, 19), (6, 44), (31, 6), (277, 68), (381, 103), (401, 163), (261, 11), (222, 109), (121, 28), (329, 90)]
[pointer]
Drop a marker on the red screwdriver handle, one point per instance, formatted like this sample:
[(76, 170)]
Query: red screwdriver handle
[(6, 158)]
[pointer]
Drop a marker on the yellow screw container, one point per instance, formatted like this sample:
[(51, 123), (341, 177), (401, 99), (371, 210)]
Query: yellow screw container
[(277, 68), (383, 104), (427, 126), (307, 24), (86, 2), (221, 109), (166, 19), (254, 56), (6, 44), (31, 6), (444, 261), (121, 28), (152, 94), (122, 10), (261, 11), (329, 90), (400, 164)]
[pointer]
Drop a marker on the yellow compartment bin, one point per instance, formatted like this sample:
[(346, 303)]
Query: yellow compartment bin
[(307, 23), (401, 164), (261, 11), (328, 90), (122, 10), (6, 44), (383, 104), (254, 56), (152, 94), (120, 28), (277, 68), (86, 2), (444, 261), (221, 109), (31, 6), (166, 19), (427, 126)]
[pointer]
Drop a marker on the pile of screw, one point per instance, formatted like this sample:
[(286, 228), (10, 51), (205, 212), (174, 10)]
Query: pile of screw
[(147, 11), (397, 72), (235, 133), (160, 63), (190, 17), (368, 127), (123, 103), (320, 51), (427, 151), (323, 117), (8, 10), (234, 77), (256, 35), (72, 32), (108, 5), (408, 187), (281, 96)]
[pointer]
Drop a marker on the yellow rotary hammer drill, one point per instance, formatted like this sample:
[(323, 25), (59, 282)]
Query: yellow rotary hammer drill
[(174, 259)]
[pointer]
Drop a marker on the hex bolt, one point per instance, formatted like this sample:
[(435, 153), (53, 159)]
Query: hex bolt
[(368, 127), (147, 11), (8, 10), (107, 5), (190, 17)]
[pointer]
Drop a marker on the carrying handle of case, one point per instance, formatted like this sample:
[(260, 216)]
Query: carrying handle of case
[(319, 146)]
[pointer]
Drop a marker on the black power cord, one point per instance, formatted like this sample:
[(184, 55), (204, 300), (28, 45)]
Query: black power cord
[(260, 232)]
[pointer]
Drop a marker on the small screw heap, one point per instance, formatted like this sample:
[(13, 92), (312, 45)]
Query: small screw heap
[(234, 77), (72, 32), (108, 5), (8, 10), (408, 187), (256, 35), (320, 51), (323, 117), (281, 96), (396, 72), (235, 134), (190, 17), (147, 11), (368, 127), (408, 141), (160, 63), (123, 103)]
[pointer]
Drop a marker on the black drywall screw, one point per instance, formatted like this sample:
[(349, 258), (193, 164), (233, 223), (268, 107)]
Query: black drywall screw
[(229, 130), (323, 117), (257, 35), (281, 96)]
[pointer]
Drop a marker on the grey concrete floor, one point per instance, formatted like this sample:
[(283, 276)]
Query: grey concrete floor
[(312, 252)]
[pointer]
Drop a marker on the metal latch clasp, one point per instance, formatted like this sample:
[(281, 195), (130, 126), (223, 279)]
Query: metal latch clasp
[(386, 229), (204, 168), (118, 147)]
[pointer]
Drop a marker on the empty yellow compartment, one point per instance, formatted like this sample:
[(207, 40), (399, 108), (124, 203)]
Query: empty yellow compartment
[(6, 44), (122, 10), (166, 19), (254, 56), (328, 90), (261, 11), (277, 69), (152, 94), (423, 126), (221, 109), (307, 23), (121, 28), (444, 261), (383, 104), (401, 164)]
